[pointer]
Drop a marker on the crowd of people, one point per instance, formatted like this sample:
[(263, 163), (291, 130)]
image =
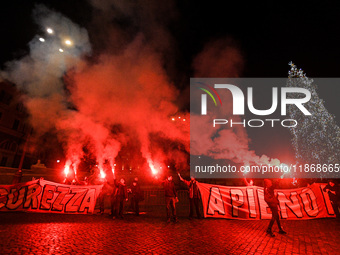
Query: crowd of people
[(118, 193)]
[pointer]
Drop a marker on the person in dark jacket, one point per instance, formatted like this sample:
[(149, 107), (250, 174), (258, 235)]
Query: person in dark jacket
[(170, 198), (194, 196), (106, 191), (120, 196), (273, 204), (333, 191), (135, 196)]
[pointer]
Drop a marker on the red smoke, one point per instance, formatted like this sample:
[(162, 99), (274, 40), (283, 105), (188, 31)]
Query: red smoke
[(123, 95), (131, 90), (219, 59), (110, 100)]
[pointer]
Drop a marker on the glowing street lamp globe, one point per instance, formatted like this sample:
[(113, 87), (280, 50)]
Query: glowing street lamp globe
[(68, 42), (49, 30)]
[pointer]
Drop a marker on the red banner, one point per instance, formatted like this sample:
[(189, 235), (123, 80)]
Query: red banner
[(49, 197), (248, 202)]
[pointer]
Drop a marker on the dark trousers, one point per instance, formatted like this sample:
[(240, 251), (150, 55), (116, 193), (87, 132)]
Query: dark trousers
[(335, 205), (118, 209), (275, 217), (113, 205), (170, 204), (101, 202), (135, 205), (101, 199), (194, 202)]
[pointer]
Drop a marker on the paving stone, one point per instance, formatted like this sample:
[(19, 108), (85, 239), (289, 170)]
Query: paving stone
[(33, 233)]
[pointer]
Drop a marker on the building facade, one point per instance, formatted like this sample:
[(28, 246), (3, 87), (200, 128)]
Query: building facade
[(14, 128)]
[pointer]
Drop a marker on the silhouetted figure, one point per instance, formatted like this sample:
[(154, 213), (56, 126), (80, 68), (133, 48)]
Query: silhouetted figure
[(333, 191), (194, 196), (106, 192), (170, 198), (273, 204), (120, 196), (17, 177), (136, 194)]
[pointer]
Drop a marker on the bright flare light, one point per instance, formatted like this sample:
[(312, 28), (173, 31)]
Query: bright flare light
[(102, 174), (66, 170), (49, 30), (61, 50), (246, 169), (284, 167), (153, 169), (68, 42), (41, 39)]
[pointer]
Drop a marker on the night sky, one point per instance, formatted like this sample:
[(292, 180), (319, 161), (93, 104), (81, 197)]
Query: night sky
[(268, 33)]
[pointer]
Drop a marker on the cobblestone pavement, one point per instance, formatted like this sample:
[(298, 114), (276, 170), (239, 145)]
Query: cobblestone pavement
[(30, 233)]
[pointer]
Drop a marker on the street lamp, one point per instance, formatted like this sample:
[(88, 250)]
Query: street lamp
[(49, 30)]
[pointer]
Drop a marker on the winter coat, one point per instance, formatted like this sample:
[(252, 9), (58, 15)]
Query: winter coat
[(270, 197), (169, 188)]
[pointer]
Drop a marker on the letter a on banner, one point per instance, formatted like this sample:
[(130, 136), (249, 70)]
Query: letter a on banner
[(237, 200), (215, 203)]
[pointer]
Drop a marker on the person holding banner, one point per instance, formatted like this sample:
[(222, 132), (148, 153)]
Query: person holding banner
[(194, 196), (333, 191), (273, 204)]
